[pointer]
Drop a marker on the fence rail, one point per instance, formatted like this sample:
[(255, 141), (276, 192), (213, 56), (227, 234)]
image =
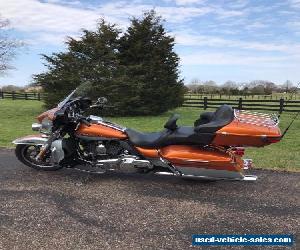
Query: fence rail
[(279, 105), (22, 96)]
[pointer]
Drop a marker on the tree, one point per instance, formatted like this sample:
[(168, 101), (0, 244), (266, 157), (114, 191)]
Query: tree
[(287, 86), (136, 71), (152, 83), (210, 87), (11, 88), (193, 86), (93, 57), (260, 87), (230, 88), (8, 46)]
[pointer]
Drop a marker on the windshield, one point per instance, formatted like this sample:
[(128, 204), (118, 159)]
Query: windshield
[(86, 89)]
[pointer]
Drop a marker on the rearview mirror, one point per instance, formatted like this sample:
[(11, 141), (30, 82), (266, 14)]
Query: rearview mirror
[(102, 100)]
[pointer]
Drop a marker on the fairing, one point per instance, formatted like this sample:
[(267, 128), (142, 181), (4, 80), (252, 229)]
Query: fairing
[(49, 114)]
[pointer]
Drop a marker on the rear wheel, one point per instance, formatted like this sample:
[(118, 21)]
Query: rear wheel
[(27, 155)]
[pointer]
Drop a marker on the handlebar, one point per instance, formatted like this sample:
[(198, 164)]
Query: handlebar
[(101, 106), (72, 111), (83, 120)]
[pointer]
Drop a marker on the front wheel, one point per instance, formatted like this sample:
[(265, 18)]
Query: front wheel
[(27, 155)]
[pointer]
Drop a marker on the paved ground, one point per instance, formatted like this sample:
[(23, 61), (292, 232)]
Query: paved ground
[(68, 209)]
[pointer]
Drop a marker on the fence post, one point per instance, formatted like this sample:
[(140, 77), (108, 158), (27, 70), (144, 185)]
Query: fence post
[(240, 103), (2, 95), (281, 105), (13, 95), (205, 103), (26, 97), (39, 96)]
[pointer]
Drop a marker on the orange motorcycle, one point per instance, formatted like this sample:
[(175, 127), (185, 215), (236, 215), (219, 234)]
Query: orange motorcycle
[(212, 149)]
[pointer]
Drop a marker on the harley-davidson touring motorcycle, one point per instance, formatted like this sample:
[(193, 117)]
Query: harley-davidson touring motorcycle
[(212, 149)]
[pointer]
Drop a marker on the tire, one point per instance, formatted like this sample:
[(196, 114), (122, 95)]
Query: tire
[(21, 152)]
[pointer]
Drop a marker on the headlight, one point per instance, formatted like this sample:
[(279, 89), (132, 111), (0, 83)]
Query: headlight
[(44, 127), (47, 124), (36, 126)]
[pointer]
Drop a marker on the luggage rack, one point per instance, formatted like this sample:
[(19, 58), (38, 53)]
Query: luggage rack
[(256, 118)]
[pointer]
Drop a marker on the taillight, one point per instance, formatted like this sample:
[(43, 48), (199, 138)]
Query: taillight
[(273, 139), (239, 151)]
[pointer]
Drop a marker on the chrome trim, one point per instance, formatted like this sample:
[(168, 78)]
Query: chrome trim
[(250, 178), (171, 167), (129, 160), (57, 152), (196, 161), (95, 118), (34, 140), (36, 126), (111, 125), (256, 118), (248, 163), (164, 173), (209, 173)]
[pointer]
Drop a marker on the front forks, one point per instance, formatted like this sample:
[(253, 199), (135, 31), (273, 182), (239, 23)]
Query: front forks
[(45, 148)]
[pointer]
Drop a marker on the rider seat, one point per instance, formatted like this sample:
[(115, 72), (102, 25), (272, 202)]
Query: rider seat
[(202, 134)]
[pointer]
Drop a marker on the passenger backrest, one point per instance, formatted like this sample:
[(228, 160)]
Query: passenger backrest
[(223, 116)]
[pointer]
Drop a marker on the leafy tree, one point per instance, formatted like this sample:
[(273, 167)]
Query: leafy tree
[(151, 81), (137, 72), (93, 58), (8, 46)]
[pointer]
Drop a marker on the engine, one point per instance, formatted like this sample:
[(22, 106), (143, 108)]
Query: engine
[(102, 149), (112, 155)]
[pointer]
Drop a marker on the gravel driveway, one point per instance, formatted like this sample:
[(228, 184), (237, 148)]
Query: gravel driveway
[(68, 209)]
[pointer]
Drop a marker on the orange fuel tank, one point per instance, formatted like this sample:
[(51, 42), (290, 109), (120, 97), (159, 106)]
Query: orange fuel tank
[(99, 130), (196, 157)]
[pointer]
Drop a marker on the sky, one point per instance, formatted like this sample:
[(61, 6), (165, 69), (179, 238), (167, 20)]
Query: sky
[(218, 40)]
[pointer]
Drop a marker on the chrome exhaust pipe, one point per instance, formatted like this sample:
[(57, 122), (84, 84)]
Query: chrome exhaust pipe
[(164, 173), (125, 162)]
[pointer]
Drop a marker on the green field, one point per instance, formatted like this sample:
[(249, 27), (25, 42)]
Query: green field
[(16, 118)]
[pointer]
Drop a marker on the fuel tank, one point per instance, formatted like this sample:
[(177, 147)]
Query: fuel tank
[(196, 161), (100, 130)]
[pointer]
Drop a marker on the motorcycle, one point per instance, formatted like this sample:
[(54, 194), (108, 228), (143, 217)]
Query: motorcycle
[(212, 149)]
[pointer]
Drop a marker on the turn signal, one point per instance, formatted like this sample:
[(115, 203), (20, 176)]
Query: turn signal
[(239, 151)]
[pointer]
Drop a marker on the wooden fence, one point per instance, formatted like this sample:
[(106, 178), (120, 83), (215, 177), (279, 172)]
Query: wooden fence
[(246, 104), (22, 96)]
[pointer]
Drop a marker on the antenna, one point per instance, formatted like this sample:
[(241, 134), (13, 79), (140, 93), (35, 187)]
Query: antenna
[(295, 117), (291, 96)]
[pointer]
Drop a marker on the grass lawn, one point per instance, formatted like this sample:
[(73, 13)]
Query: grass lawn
[(16, 118)]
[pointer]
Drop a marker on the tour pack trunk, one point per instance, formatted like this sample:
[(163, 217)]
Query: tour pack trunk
[(249, 129)]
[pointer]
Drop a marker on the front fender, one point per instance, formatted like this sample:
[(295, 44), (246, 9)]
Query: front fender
[(39, 139), (57, 152)]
